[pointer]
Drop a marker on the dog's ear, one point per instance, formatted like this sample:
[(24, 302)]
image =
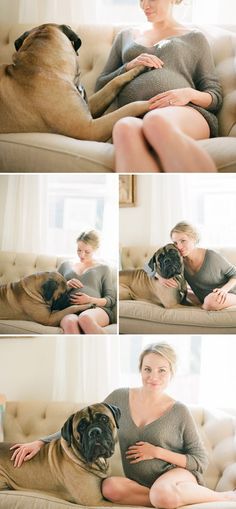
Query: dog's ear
[(76, 41), (66, 430), (152, 263), (48, 289), (18, 42), (115, 412)]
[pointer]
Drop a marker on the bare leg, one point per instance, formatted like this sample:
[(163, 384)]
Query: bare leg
[(92, 321), (210, 302), (125, 492), (132, 153), (179, 487), (172, 132), (70, 324)]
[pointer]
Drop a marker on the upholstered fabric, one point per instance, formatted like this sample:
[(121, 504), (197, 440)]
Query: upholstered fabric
[(54, 153), (14, 266), (140, 317), (25, 421)]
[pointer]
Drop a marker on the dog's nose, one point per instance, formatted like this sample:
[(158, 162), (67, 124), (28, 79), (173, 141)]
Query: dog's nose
[(94, 432)]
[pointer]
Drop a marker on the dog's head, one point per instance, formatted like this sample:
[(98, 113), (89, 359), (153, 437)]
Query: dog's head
[(53, 288), (92, 431), (167, 262), (42, 31)]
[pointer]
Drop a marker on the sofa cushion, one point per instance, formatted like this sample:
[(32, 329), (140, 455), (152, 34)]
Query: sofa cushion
[(53, 153), (140, 317)]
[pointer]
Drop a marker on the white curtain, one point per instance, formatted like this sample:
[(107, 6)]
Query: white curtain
[(23, 213), (86, 370), (59, 11), (169, 205)]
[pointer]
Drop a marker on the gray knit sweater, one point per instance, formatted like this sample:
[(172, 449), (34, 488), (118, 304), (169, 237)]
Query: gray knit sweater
[(214, 273), (97, 282), (188, 62), (175, 430)]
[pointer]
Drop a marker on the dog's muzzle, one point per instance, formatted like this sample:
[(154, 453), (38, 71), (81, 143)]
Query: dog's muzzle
[(169, 267), (97, 441)]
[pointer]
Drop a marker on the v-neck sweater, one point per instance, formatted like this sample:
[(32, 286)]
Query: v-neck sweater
[(97, 282), (188, 62), (174, 430), (214, 272)]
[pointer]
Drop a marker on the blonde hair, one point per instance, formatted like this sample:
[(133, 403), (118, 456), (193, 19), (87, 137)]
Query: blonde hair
[(163, 349), (184, 227), (90, 237)]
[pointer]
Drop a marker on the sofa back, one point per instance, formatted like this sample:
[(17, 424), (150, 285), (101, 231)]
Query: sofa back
[(96, 44), (25, 421), (134, 257)]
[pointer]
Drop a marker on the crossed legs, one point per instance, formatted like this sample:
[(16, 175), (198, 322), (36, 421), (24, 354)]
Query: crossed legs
[(163, 141), (90, 321), (171, 490)]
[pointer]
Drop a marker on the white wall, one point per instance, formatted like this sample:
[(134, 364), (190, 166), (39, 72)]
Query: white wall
[(135, 222), (26, 368), (9, 11)]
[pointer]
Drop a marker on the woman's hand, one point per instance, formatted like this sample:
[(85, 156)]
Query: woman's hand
[(221, 294), (141, 451), (25, 452), (169, 283), (80, 298), (178, 97), (147, 60), (74, 283)]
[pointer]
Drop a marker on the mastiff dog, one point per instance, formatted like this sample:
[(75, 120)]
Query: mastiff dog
[(41, 91), (42, 297), (143, 284), (71, 467)]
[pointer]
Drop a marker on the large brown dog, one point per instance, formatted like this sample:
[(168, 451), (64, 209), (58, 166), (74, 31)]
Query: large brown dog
[(140, 284), (40, 91), (42, 297), (71, 467)]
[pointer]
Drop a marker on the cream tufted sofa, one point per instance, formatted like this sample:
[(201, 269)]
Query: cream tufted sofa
[(140, 317), (14, 266), (26, 421), (35, 152)]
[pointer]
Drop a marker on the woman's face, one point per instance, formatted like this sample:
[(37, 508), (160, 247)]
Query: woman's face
[(155, 372), (84, 251), (184, 243), (156, 10)]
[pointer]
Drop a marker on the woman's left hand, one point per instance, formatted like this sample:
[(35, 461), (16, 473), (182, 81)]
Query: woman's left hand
[(178, 97), (221, 294), (80, 298), (141, 451)]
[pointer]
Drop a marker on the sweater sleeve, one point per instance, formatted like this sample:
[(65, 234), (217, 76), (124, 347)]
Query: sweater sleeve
[(50, 438), (108, 291), (206, 79), (197, 459), (114, 66)]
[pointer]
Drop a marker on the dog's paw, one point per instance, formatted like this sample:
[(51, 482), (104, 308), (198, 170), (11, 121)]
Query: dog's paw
[(139, 69)]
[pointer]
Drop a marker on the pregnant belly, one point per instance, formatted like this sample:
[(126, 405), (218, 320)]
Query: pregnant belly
[(88, 290), (151, 83)]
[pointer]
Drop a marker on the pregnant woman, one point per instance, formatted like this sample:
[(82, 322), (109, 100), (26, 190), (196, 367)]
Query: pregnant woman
[(182, 87), (92, 285)]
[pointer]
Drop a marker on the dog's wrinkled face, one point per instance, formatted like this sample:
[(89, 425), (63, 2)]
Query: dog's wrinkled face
[(42, 31), (167, 262), (91, 432), (55, 292)]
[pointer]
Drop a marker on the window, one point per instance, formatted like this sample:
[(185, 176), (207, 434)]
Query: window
[(81, 202), (206, 368), (213, 208)]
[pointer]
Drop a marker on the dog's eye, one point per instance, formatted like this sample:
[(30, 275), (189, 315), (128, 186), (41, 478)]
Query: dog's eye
[(103, 418), (82, 425)]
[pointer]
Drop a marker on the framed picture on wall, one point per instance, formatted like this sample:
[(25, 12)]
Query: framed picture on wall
[(127, 190)]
